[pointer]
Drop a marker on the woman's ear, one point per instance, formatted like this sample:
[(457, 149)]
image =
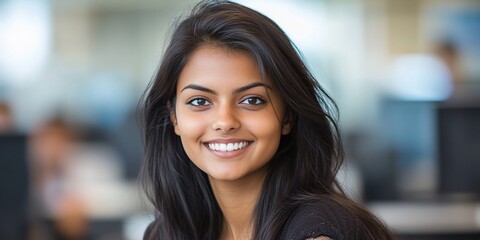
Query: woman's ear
[(286, 128), (287, 125), (173, 118)]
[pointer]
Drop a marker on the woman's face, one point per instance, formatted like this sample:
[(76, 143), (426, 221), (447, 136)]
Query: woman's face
[(228, 119)]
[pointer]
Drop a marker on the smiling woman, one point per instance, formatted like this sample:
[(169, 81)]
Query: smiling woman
[(240, 140), (230, 130)]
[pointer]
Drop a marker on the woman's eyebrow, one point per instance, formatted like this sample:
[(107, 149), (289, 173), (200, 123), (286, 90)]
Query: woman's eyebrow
[(249, 86), (236, 91), (199, 88)]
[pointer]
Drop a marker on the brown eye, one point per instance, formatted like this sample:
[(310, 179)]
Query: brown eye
[(253, 101), (199, 102)]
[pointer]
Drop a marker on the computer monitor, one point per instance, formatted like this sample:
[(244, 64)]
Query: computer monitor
[(459, 149), (13, 186)]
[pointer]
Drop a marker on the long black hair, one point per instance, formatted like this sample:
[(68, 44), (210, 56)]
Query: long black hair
[(305, 164)]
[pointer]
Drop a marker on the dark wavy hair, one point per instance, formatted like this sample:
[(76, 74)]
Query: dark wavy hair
[(305, 164)]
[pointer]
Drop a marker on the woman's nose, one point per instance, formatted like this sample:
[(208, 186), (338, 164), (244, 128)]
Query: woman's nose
[(226, 119)]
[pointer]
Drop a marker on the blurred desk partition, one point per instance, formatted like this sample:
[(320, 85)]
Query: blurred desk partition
[(13, 186), (431, 220)]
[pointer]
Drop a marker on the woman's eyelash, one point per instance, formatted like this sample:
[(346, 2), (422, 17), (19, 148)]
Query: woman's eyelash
[(198, 102), (253, 101)]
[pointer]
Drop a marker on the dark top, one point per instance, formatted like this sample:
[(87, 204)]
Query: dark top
[(321, 218), (325, 218)]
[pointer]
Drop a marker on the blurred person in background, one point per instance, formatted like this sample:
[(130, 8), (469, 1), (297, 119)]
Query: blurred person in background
[(6, 118), (59, 209), (448, 53)]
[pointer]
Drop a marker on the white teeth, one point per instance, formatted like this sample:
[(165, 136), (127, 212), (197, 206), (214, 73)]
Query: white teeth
[(227, 147), (223, 147)]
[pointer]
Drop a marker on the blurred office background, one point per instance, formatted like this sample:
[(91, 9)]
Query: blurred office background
[(405, 75)]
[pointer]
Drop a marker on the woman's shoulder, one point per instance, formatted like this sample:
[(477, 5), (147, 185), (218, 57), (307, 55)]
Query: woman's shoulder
[(323, 217)]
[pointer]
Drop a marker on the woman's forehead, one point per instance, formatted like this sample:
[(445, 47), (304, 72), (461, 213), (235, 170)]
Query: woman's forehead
[(217, 65)]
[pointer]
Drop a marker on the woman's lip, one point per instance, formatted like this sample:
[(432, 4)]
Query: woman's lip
[(227, 140)]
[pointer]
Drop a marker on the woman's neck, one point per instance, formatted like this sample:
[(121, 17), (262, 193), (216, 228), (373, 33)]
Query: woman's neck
[(237, 200)]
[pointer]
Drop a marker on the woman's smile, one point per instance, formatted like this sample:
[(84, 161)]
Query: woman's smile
[(227, 147)]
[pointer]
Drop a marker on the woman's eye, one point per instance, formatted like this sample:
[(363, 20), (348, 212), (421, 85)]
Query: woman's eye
[(199, 102), (252, 101)]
